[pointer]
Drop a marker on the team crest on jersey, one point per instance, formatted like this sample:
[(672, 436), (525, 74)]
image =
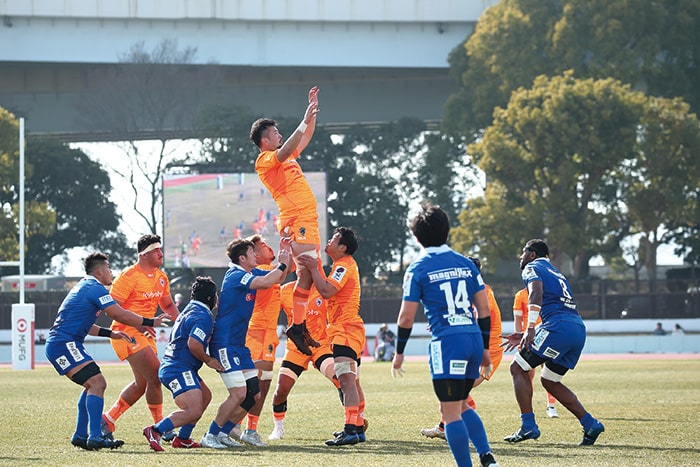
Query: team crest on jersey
[(162, 282), (302, 233), (269, 348), (174, 385), (63, 362), (249, 297), (339, 273), (318, 302)]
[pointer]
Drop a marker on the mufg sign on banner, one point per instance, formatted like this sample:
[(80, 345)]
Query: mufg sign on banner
[(22, 336)]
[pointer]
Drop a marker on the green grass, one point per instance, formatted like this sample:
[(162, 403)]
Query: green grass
[(650, 409)]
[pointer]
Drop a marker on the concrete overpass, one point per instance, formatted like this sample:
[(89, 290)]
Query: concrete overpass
[(375, 60)]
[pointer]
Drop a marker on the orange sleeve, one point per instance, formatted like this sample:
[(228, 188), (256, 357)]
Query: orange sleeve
[(122, 286), (495, 312)]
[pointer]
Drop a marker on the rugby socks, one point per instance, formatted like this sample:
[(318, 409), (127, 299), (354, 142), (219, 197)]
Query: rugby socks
[(214, 429), (117, 410), (164, 426), (476, 431), (279, 411), (471, 403), (528, 421), (252, 422), (81, 428), (458, 439), (587, 421), (351, 415), (550, 400), (360, 417), (299, 299), (156, 412), (185, 431), (227, 428), (94, 405)]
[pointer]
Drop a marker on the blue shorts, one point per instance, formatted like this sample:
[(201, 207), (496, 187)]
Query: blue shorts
[(561, 343), (233, 358), (179, 378), (65, 356), (456, 356)]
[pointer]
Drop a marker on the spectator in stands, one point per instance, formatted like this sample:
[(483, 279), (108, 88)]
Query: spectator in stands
[(678, 330), (659, 331), (385, 344)]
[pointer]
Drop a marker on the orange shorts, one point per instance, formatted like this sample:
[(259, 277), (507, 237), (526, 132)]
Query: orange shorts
[(348, 334), (496, 357), (123, 349), (302, 229), (262, 344), (293, 355)]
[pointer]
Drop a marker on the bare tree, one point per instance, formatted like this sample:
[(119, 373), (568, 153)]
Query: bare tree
[(149, 95)]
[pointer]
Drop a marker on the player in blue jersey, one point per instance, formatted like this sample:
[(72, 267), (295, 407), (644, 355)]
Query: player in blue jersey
[(557, 343), (66, 352), (452, 292), (183, 357), (236, 303)]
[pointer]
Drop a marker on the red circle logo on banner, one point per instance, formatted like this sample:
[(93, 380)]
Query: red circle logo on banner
[(21, 325)]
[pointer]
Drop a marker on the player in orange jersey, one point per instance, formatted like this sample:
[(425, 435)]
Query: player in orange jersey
[(495, 350), (141, 288), (346, 329), (261, 338), (295, 362), (520, 312), (281, 174)]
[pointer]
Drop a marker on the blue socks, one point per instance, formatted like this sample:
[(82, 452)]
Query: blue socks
[(458, 439), (528, 421), (81, 428), (94, 405), (476, 431)]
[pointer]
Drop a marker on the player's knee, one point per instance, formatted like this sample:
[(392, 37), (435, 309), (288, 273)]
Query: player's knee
[(549, 375), (344, 368), (252, 393), (519, 365)]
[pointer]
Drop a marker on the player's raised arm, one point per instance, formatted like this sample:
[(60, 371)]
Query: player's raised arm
[(299, 136)]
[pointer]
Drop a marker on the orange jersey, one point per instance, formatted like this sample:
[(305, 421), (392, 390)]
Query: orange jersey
[(496, 324), (520, 306), (316, 314), (139, 292), (287, 184), (344, 306), (266, 310)]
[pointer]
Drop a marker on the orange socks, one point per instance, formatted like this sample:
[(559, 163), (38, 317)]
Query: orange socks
[(156, 412), (253, 422), (117, 410), (299, 299)]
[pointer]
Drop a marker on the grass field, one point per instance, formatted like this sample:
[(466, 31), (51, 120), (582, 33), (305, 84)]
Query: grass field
[(650, 409)]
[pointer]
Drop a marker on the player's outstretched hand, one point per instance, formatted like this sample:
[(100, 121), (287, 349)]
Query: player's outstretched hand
[(123, 336), (309, 262), (397, 366), (512, 341), (313, 95), (161, 320)]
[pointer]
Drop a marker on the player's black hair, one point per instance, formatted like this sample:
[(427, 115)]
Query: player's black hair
[(146, 240), (347, 238), (237, 248), (476, 261), (204, 290), (93, 260), (258, 128), (538, 246), (431, 226)]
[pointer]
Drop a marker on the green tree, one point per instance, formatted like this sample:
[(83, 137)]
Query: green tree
[(653, 46), (77, 189), (664, 177), (554, 154), (39, 217)]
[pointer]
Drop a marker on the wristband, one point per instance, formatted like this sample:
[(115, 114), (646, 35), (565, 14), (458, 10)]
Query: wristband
[(104, 332), (302, 127), (533, 312), (485, 326), (404, 334), (148, 322), (281, 267)]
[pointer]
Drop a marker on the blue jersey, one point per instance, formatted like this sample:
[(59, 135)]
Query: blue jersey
[(445, 282), (80, 310), (236, 302), (557, 301), (194, 321)]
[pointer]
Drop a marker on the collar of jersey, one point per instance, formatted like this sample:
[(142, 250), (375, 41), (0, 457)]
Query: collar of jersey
[(436, 250), (203, 304)]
